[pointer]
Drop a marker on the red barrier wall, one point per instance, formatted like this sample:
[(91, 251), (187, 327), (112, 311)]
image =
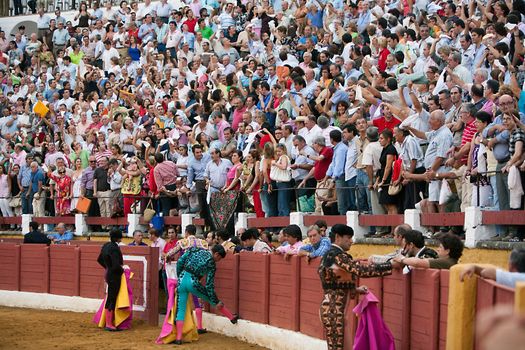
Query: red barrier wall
[(331, 220), (34, 268), (442, 219), (310, 297), (443, 308), (9, 266), (381, 220), (396, 307), (92, 283), (424, 330), (144, 263), (227, 282), (278, 221), (64, 266), (73, 271), (284, 292), (374, 285), (254, 272), (261, 288)]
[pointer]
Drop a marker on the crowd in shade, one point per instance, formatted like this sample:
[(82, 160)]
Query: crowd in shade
[(216, 107)]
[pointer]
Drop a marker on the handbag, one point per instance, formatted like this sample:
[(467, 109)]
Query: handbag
[(280, 175), (118, 211), (15, 201), (83, 205), (149, 213), (394, 189)]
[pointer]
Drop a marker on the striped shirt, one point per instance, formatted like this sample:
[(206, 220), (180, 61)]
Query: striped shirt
[(517, 135), (468, 134), (411, 150), (165, 173)]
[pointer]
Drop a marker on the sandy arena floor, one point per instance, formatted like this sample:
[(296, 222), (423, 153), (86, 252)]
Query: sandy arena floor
[(47, 329)]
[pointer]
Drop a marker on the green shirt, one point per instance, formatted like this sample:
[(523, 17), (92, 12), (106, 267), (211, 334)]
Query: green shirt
[(76, 58), (442, 263), (207, 32), (84, 157)]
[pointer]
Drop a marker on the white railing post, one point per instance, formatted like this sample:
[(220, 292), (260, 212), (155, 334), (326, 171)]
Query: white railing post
[(80, 225), (26, 219), (352, 220), (242, 221), (297, 218), (475, 231), (185, 220), (413, 218), (134, 224)]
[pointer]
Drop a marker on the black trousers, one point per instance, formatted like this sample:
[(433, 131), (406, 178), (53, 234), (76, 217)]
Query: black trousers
[(166, 202), (200, 187), (113, 282)]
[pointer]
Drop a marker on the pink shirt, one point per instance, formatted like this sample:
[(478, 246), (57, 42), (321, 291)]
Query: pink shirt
[(290, 249), (165, 173), (237, 117), (220, 129), (4, 188), (19, 158)]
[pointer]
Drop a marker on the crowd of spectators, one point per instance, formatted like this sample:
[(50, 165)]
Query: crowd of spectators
[(318, 106)]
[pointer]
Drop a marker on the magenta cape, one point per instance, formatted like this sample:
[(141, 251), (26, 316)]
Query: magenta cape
[(124, 308), (168, 333), (372, 332)]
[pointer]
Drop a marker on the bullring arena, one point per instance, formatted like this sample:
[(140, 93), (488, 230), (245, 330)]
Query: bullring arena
[(356, 109)]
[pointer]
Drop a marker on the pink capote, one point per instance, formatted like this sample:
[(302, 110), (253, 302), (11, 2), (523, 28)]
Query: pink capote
[(372, 332), (126, 324), (167, 327)]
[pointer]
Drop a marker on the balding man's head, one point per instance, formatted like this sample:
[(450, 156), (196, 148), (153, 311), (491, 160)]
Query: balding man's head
[(400, 231), (437, 119), (506, 103)]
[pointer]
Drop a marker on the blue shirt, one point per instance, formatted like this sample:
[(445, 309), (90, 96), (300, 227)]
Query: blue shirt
[(35, 179), (439, 142), (144, 32), (316, 18), (302, 40), (25, 175), (318, 249), (135, 244), (196, 168), (363, 21), (188, 38), (336, 169), (217, 173), (67, 236), (501, 148), (509, 279)]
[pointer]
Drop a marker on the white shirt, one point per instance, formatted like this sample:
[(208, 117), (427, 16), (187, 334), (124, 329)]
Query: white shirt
[(351, 160), (312, 134), (159, 243), (371, 155), (106, 57)]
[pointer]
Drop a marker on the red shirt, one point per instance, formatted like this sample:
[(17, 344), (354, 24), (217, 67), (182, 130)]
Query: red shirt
[(382, 124), (134, 33), (191, 24), (321, 166), (264, 139), (151, 180), (468, 134), (169, 246), (381, 62)]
